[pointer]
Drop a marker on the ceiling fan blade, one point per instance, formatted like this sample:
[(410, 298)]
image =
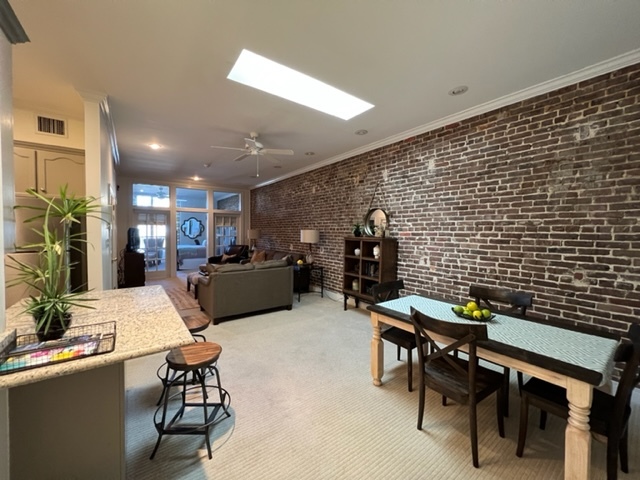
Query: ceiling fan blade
[(276, 151), (244, 155), (229, 148)]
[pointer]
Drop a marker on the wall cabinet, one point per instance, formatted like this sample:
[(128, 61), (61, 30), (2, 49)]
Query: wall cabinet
[(47, 170), (365, 265)]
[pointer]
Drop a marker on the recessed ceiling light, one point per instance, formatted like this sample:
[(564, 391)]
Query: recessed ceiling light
[(207, 165), (458, 90), (309, 154), (361, 132), (196, 178), (259, 72), (155, 146)]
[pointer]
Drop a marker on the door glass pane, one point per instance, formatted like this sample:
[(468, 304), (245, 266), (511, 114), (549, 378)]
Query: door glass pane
[(191, 198), (191, 234), (153, 239), (226, 201), (150, 195), (226, 232)]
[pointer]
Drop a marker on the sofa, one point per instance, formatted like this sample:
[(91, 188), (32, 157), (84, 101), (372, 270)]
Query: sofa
[(236, 289), (232, 254)]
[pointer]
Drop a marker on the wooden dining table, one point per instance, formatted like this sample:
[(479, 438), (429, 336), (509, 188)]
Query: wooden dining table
[(573, 357)]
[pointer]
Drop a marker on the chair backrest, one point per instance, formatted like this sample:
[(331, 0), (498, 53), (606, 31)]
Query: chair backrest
[(462, 333), (384, 291), (518, 301), (629, 353)]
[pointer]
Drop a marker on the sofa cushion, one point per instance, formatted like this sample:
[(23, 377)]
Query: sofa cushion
[(271, 264)]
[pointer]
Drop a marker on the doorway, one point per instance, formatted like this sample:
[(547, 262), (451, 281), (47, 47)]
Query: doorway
[(153, 228)]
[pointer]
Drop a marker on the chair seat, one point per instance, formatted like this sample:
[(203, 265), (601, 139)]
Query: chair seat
[(194, 356), (443, 378), (552, 398), (400, 337)]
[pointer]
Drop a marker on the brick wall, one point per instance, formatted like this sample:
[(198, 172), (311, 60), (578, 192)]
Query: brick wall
[(542, 195)]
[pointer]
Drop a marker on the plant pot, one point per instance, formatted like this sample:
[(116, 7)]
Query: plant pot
[(56, 329), (357, 232)]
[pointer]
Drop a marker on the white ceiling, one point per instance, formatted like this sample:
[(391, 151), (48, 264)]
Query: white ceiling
[(163, 65)]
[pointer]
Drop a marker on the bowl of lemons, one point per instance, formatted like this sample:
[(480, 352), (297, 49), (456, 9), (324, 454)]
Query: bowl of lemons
[(471, 311)]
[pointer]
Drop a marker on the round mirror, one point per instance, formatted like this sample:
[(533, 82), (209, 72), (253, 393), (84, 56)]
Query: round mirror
[(375, 222)]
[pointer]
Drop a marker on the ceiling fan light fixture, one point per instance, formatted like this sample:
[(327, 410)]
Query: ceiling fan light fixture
[(271, 77)]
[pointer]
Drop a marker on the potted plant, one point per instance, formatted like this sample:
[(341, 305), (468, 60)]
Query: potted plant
[(50, 279), (357, 229)]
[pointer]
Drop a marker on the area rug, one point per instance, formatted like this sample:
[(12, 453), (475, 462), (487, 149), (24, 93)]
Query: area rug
[(180, 298)]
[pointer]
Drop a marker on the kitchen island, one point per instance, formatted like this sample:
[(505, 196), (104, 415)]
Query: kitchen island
[(66, 420)]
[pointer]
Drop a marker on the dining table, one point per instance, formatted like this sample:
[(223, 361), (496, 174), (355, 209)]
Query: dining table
[(575, 357)]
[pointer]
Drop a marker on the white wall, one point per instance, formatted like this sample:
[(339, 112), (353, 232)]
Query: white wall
[(24, 129), (6, 203)]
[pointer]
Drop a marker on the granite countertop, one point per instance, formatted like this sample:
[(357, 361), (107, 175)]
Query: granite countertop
[(146, 323)]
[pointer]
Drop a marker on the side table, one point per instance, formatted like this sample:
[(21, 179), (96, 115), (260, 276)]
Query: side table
[(302, 278)]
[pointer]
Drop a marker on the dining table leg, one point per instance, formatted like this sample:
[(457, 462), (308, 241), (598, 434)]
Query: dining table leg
[(577, 457), (377, 351)]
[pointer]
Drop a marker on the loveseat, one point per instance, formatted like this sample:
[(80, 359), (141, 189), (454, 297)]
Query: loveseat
[(235, 289)]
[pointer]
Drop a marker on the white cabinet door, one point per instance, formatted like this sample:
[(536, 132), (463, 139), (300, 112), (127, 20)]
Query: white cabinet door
[(24, 167), (57, 169)]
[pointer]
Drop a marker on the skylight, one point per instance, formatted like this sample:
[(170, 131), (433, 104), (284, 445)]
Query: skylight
[(259, 72)]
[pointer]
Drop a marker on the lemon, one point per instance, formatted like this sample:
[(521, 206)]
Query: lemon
[(486, 313), (477, 314), (458, 308), (472, 306)]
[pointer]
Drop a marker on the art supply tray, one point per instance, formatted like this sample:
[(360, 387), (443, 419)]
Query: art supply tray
[(22, 352)]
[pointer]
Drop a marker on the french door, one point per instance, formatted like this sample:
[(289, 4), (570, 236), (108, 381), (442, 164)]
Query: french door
[(153, 227)]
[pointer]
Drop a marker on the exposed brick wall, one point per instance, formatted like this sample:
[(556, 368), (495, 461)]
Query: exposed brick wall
[(542, 195)]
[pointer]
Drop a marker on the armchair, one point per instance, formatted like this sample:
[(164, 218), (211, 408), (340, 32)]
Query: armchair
[(153, 250)]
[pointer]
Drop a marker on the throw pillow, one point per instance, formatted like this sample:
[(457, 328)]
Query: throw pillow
[(258, 256), (226, 258)]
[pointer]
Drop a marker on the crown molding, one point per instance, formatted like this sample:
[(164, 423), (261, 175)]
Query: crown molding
[(610, 65), (10, 24)]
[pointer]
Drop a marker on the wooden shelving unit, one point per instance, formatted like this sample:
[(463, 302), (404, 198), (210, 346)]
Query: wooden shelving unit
[(362, 271)]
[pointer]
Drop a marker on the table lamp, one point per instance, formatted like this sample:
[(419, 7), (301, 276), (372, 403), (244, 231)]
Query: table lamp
[(310, 237), (253, 234)]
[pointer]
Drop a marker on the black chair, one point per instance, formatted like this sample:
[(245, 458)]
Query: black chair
[(401, 338), (518, 303), (609, 413), (462, 380)]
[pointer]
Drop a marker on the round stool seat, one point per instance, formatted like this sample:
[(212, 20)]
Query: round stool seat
[(196, 323), (194, 356)]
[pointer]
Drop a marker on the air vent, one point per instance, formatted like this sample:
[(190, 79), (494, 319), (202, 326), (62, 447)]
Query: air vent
[(51, 126)]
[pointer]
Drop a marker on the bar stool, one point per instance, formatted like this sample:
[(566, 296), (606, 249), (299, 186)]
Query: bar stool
[(195, 324), (199, 358)]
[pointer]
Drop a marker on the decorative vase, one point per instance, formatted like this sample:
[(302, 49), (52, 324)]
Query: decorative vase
[(376, 251), (355, 285), (356, 252)]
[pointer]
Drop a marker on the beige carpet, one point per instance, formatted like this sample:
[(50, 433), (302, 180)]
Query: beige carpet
[(304, 407), (180, 298)]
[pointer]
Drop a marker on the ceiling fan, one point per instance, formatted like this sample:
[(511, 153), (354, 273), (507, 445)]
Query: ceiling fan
[(253, 147)]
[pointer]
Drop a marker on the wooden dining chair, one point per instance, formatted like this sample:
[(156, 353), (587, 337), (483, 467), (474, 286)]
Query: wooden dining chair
[(609, 413), (517, 304), (462, 380), (401, 338)]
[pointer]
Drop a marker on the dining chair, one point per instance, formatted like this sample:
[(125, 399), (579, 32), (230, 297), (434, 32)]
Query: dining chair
[(462, 380), (518, 303), (382, 292), (609, 413)]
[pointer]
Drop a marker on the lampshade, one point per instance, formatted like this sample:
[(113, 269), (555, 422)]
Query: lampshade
[(309, 236), (253, 234)]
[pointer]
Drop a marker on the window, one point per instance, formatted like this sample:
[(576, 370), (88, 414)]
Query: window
[(191, 198), (226, 201), (150, 195)]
